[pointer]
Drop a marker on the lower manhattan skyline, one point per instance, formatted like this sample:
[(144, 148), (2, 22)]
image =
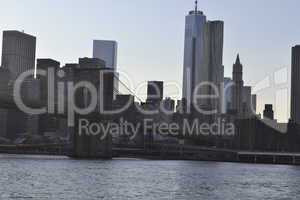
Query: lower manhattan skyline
[(263, 43), (137, 99)]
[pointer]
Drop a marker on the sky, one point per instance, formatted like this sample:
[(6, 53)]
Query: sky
[(150, 36)]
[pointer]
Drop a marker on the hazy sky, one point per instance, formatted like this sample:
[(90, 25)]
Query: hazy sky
[(150, 34)]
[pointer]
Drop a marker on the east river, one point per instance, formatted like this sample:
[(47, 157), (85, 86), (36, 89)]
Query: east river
[(44, 177)]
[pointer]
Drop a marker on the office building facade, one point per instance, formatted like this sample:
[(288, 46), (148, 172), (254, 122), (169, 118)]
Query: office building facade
[(106, 50), (18, 52)]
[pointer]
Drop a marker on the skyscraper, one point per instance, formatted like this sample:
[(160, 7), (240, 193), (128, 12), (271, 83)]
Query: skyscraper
[(18, 52), (237, 91), (215, 59), (194, 63), (203, 57), (295, 85), (18, 56), (106, 50)]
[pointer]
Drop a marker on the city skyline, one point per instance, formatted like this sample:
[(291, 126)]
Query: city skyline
[(139, 99), (258, 51)]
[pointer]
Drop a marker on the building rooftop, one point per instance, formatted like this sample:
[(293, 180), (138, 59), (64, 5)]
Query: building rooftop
[(193, 12), (110, 41), (18, 33), (91, 63), (47, 62)]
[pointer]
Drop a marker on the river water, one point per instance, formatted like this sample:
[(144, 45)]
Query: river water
[(43, 177)]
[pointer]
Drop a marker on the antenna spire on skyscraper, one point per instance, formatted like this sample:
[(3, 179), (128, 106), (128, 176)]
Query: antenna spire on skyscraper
[(196, 6), (237, 61)]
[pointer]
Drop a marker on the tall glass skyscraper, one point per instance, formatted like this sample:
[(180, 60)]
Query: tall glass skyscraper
[(194, 53), (203, 58), (106, 50)]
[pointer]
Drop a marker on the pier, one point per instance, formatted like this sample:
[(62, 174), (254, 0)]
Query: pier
[(269, 157)]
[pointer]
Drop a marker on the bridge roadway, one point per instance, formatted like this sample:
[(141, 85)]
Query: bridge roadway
[(166, 152), (156, 150), (176, 152), (39, 149)]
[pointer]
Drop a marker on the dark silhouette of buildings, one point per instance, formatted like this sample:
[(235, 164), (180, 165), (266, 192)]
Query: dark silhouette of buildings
[(243, 103), (237, 91), (47, 123), (169, 104), (155, 92), (268, 112), (267, 134), (48, 97), (91, 63), (295, 85), (202, 59), (254, 134), (254, 103)]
